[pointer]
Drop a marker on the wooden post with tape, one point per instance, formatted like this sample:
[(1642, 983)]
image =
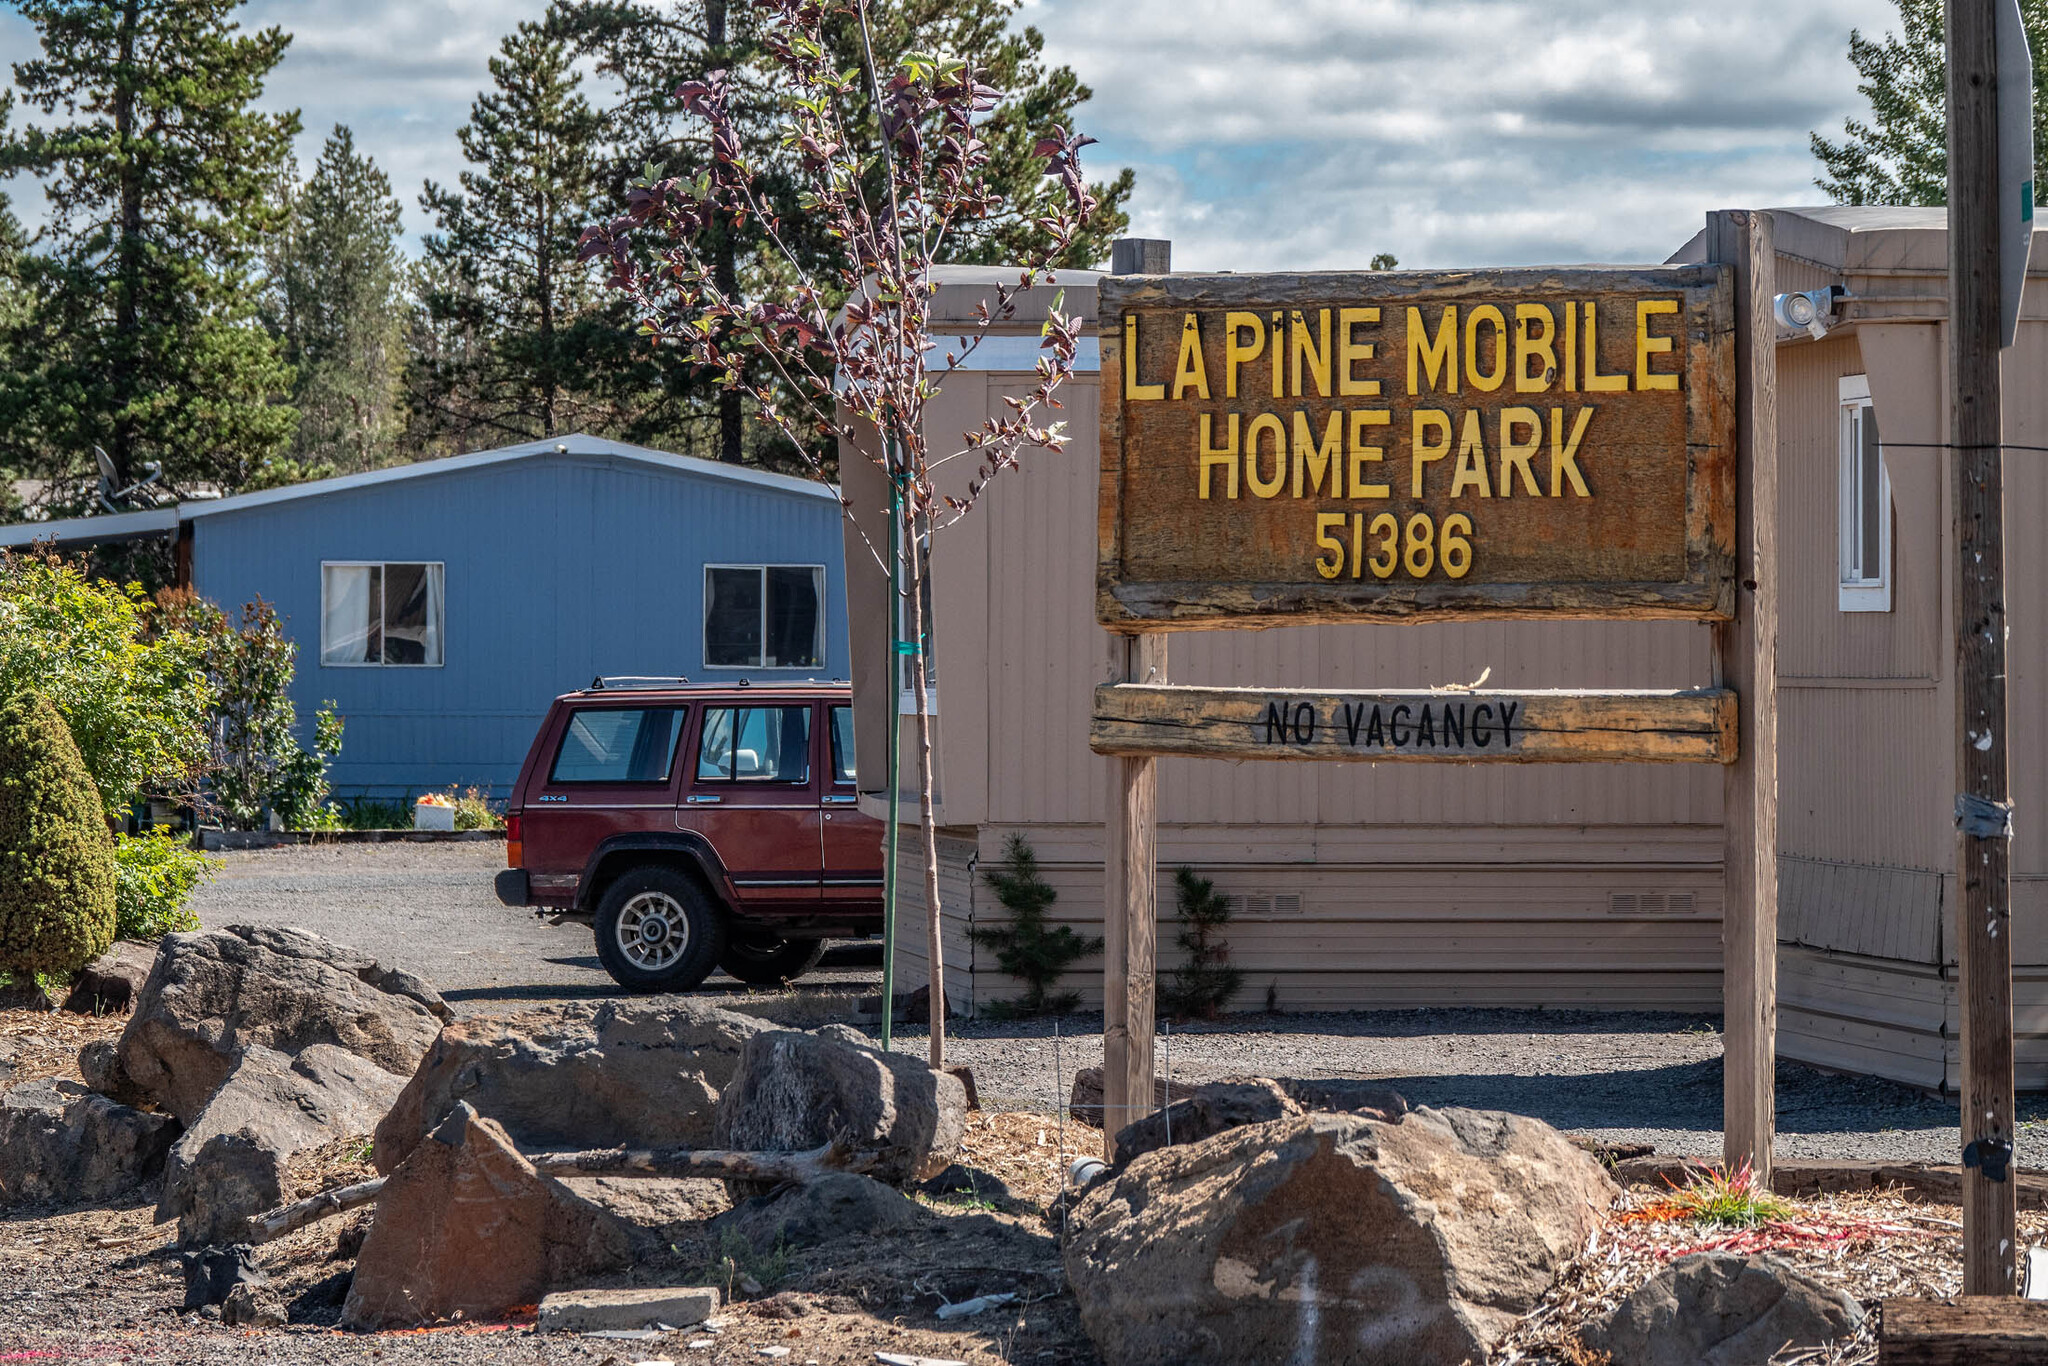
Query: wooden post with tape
[(1130, 871), (1746, 660)]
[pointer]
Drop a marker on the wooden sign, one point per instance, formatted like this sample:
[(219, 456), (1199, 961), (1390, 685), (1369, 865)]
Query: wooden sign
[(1288, 449), (1494, 725)]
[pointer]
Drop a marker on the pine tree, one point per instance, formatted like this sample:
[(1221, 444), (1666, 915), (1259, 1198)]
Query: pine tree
[(508, 312), (157, 171), (1204, 984), (649, 49), (1899, 155), (336, 304), (1028, 949)]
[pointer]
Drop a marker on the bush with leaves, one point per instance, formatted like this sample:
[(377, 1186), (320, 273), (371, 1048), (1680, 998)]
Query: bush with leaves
[(1027, 948), (56, 857), (257, 765), (154, 878), (1202, 986), (131, 687)]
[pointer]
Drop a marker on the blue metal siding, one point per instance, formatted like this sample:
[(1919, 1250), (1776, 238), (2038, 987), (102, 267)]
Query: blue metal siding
[(558, 568)]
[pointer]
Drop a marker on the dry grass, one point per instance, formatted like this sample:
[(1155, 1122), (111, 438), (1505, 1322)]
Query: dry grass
[(45, 1043), (1875, 1246)]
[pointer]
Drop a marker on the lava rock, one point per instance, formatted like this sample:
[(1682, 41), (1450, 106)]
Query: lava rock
[(1332, 1237), (466, 1225), (213, 994), (1721, 1309), (1208, 1110), (793, 1092), (213, 1273), (230, 1165), (836, 1205), (61, 1143), (110, 983), (596, 1075)]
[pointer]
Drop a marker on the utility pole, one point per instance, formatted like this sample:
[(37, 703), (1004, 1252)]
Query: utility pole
[(1983, 810)]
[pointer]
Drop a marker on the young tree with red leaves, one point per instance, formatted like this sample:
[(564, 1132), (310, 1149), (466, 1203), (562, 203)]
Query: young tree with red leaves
[(849, 350)]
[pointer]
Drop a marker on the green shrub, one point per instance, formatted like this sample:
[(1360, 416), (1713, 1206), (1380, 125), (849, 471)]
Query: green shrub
[(1028, 949), (473, 809), (1204, 984), (374, 813), (257, 766), (56, 857), (155, 876), (135, 698)]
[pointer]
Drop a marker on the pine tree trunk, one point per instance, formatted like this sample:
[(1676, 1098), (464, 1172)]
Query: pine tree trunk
[(919, 562), (127, 303), (731, 429)]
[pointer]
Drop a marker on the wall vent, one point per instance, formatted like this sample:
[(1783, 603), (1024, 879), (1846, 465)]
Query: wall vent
[(1256, 905), (1650, 905)]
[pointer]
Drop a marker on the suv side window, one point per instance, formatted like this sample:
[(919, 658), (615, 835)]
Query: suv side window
[(618, 745), (842, 744), (755, 745)]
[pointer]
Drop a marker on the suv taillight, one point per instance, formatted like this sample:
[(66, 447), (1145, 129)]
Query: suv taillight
[(515, 852)]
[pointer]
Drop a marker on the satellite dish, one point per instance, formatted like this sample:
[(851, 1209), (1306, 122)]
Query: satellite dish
[(107, 471), (114, 500)]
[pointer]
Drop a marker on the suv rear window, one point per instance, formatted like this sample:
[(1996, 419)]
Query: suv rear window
[(618, 745), (755, 744)]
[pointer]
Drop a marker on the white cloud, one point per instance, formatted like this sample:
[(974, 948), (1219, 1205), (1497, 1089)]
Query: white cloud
[(1453, 131), (1310, 133)]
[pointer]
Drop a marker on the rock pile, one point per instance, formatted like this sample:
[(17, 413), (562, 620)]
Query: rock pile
[(648, 1073), (60, 1142)]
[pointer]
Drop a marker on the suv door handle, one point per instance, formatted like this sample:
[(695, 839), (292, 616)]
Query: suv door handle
[(831, 800), (702, 801)]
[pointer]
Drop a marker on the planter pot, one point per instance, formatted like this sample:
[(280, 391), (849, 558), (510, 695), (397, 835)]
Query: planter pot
[(426, 817)]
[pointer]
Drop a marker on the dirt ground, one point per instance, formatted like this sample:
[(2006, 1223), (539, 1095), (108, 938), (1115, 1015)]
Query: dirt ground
[(104, 1285)]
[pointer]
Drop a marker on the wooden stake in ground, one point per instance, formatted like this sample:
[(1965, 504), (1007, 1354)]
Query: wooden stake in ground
[(1983, 812), (1746, 660)]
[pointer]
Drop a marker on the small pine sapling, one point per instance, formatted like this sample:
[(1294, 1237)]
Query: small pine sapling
[(1205, 984), (1028, 949)]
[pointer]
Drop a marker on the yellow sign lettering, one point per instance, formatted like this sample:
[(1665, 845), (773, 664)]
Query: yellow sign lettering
[(1428, 358), (1648, 346), (1421, 451)]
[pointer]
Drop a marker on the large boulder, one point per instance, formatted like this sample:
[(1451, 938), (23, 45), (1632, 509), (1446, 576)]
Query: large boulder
[(793, 1092), (212, 994), (466, 1225), (837, 1205), (1720, 1309), (645, 1073), (63, 1144), (230, 1165), (1332, 1238), (109, 984)]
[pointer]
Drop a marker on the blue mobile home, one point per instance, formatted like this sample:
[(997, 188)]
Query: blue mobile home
[(442, 605)]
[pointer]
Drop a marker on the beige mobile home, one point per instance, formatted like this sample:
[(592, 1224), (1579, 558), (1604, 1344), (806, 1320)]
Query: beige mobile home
[(1393, 885)]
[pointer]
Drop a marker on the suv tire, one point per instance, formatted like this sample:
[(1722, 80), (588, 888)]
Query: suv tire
[(760, 959), (657, 931)]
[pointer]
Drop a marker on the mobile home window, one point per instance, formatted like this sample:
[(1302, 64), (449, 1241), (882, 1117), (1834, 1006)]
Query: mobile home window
[(381, 614), (1865, 505), (764, 616)]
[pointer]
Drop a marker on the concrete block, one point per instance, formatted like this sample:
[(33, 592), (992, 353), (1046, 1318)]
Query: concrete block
[(596, 1311)]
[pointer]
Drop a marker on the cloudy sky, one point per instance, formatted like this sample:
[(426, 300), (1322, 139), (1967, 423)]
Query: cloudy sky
[(1296, 134)]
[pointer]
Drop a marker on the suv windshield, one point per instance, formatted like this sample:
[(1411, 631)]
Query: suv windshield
[(755, 744), (618, 745)]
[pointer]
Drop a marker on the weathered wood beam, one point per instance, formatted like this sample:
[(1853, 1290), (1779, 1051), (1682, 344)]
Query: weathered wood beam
[(290, 1218), (1374, 727), (1970, 1330)]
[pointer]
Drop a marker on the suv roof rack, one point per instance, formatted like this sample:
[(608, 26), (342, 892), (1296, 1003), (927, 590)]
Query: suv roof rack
[(630, 682)]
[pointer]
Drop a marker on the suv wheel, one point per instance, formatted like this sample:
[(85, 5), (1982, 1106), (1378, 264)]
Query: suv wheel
[(657, 932), (759, 958)]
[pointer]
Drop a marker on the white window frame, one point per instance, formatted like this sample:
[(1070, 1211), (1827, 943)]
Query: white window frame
[(824, 617), (1855, 593), (906, 694), (385, 565)]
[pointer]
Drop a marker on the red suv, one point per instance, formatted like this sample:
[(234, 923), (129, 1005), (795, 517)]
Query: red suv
[(698, 827)]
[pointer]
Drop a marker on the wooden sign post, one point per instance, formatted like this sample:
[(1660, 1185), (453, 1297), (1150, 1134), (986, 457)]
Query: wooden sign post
[(1401, 447)]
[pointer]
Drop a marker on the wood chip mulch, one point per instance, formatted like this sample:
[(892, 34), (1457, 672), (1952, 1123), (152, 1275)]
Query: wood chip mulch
[(45, 1043)]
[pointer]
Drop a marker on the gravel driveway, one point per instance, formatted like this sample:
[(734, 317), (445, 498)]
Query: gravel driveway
[(1618, 1076)]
